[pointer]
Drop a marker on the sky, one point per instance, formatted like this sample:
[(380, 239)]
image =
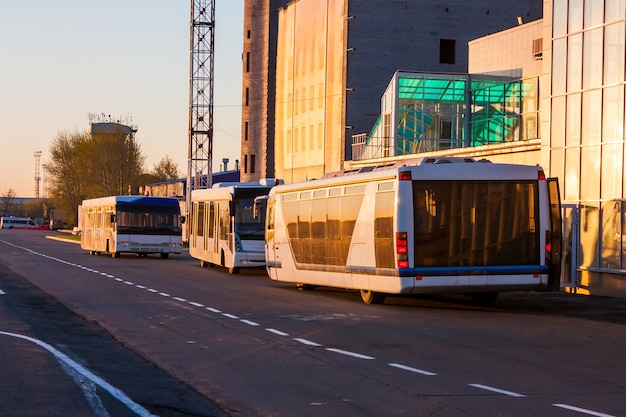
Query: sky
[(62, 60)]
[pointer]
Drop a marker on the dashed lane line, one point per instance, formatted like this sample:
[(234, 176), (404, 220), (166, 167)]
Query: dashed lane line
[(411, 369), (497, 390), (582, 410)]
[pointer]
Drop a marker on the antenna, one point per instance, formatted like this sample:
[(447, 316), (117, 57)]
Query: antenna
[(37, 156)]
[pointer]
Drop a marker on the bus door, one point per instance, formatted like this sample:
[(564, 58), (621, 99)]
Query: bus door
[(271, 252), (555, 237)]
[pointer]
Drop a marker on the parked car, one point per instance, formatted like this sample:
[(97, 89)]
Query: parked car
[(13, 222)]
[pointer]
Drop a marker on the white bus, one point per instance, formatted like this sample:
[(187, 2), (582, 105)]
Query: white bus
[(464, 226), (224, 229), (136, 224)]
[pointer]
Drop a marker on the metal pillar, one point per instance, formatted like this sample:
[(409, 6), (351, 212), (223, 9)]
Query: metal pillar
[(201, 45)]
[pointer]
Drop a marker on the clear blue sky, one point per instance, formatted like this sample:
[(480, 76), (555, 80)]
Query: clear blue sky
[(60, 60)]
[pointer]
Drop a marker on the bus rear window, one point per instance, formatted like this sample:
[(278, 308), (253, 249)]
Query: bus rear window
[(475, 223)]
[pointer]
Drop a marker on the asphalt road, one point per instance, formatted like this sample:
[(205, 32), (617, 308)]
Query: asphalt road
[(176, 338)]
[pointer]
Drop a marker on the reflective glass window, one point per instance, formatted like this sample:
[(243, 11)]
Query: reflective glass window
[(612, 114), (594, 12), (574, 62), (572, 173), (575, 16), (611, 181), (614, 10), (557, 125), (614, 45), (592, 58), (559, 66), (572, 128), (591, 117), (559, 18), (590, 172)]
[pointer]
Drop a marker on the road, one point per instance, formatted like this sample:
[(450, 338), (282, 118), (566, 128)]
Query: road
[(253, 347)]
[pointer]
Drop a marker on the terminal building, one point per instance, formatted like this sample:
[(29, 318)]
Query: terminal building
[(542, 84)]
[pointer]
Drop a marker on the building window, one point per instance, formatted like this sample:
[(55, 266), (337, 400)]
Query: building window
[(245, 164), (247, 61), (252, 163), (247, 99), (248, 34), (447, 51), (245, 131)]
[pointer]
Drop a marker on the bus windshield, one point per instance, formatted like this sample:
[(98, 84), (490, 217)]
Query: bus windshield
[(148, 220), (246, 225)]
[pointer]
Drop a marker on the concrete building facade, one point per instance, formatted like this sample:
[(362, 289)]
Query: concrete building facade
[(362, 44)]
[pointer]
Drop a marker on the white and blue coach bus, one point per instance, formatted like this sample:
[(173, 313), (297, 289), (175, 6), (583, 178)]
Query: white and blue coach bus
[(136, 224), (443, 225)]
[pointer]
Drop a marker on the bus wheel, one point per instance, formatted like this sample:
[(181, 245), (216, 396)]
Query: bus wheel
[(115, 255), (164, 255), (203, 264), (372, 297), (233, 270), (484, 298), (304, 287)]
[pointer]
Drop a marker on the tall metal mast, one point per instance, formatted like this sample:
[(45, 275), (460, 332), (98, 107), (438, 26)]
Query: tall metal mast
[(200, 150), (37, 155)]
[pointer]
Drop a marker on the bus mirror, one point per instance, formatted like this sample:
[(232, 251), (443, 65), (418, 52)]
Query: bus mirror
[(113, 218), (257, 210), (231, 208), (182, 219)]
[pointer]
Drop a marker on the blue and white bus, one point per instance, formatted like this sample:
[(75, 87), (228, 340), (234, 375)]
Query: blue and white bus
[(135, 224), (443, 225)]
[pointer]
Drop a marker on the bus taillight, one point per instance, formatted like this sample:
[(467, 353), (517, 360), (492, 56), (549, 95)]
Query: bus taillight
[(548, 248), (404, 176), (402, 250)]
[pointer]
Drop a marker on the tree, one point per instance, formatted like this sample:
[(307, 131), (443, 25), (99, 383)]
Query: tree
[(166, 169), (115, 162), (84, 165), (8, 201)]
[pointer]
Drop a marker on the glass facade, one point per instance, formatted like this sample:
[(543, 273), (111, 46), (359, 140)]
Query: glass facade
[(423, 112), (587, 125)]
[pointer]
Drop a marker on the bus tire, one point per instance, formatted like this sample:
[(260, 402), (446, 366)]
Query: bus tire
[(164, 255), (304, 287), (115, 255), (233, 270), (203, 264), (372, 297)]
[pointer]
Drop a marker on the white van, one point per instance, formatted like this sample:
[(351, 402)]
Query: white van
[(13, 222)]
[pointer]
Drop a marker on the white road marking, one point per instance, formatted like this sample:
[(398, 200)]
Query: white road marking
[(214, 310), (278, 332), (582, 410), (499, 391), (164, 294), (179, 299), (2, 292), (348, 353), (410, 369), (196, 304), (116, 393), (306, 342), (230, 316), (251, 323)]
